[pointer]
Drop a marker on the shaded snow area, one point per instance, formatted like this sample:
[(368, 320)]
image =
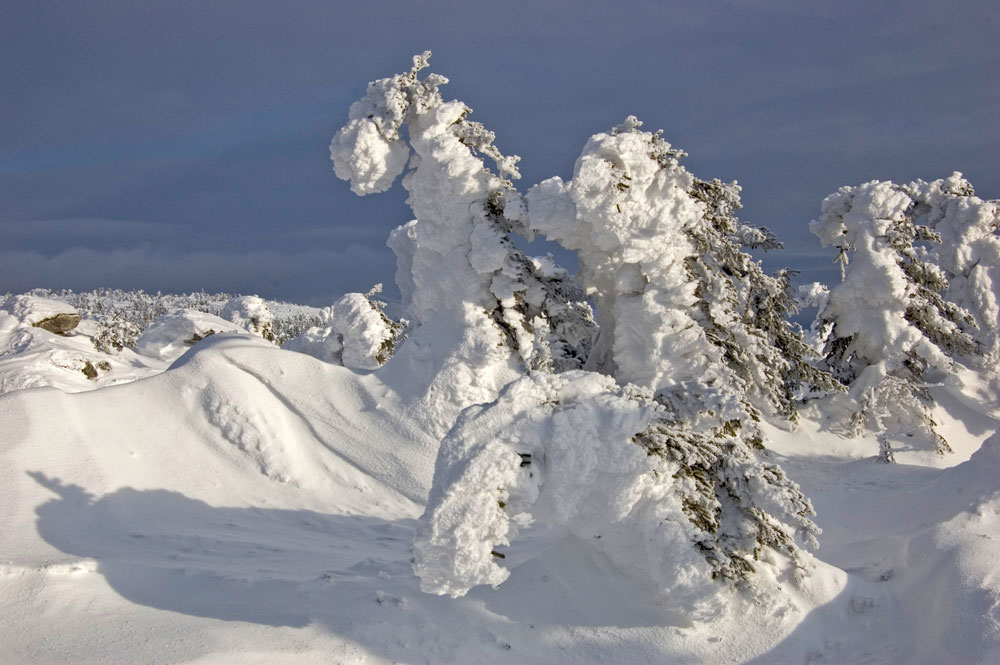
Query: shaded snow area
[(646, 462)]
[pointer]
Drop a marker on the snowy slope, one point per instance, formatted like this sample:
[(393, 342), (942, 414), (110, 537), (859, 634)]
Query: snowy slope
[(256, 505)]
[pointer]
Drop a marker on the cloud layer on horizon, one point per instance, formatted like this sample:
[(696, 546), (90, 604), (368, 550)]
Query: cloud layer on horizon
[(208, 124)]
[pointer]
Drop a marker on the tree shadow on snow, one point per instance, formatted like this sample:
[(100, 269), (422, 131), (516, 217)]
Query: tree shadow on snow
[(350, 575), (862, 624), (275, 567)]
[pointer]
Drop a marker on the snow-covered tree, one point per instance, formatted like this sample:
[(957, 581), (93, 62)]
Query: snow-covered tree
[(481, 310), (115, 332), (355, 333), (252, 314), (969, 254), (683, 311), (650, 457), (575, 454), (890, 327)]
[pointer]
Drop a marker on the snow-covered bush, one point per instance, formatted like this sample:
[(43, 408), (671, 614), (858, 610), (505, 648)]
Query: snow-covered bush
[(575, 452), (114, 333), (367, 335), (891, 326), (169, 336), (682, 310), (252, 314), (481, 310), (357, 333)]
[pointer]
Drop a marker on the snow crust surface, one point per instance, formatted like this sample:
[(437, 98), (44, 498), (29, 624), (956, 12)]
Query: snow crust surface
[(256, 505)]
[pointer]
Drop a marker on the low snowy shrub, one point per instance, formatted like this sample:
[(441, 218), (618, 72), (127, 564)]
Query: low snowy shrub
[(355, 332), (252, 314), (577, 453), (114, 333)]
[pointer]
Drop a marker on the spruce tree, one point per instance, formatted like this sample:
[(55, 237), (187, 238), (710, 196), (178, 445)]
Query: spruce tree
[(891, 330), (683, 310)]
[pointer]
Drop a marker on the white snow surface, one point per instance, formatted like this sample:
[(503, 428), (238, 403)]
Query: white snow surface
[(31, 310), (251, 504), (32, 357)]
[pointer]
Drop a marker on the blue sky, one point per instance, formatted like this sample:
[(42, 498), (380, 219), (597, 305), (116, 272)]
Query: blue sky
[(178, 145)]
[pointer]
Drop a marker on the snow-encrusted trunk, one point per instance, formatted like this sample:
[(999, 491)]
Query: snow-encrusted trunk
[(481, 311)]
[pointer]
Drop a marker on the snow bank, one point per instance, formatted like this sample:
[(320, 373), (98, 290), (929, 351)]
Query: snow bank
[(46, 313), (949, 585)]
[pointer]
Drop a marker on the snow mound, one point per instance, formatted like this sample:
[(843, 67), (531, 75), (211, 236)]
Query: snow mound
[(33, 357), (169, 336), (53, 315), (948, 581)]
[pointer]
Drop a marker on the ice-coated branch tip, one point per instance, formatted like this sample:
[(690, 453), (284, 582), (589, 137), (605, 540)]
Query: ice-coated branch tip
[(420, 62)]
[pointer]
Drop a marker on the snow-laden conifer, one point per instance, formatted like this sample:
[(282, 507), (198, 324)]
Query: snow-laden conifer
[(252, 314), (669, 487), (355, 333), (481, 310), (575, 454), (968, 253), (683, 311), (891, 327)]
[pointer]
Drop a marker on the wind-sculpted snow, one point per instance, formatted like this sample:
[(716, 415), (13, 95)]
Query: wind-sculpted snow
[(171, 335)]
